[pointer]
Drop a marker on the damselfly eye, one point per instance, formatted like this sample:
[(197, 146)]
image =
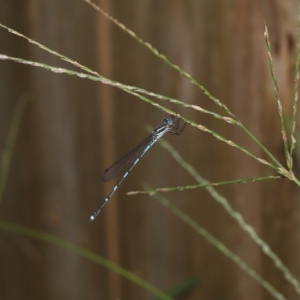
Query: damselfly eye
[(170, 121), (167, 121)]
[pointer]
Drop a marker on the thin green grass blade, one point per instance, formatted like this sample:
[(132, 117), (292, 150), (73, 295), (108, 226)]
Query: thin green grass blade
[(160, 56), (206, 92), (202, 185), (296, 85), (220, 246), (278, 102), (15, 228), (126, 88), (236, 216), (233, 120)]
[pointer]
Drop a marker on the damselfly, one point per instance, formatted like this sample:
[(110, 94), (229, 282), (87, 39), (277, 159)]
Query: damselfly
[(127, 163)]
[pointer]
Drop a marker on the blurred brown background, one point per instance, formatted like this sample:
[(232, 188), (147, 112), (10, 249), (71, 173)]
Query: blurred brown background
[(74, 128)]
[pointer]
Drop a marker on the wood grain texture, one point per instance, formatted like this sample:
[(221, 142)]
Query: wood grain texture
[(74, 129)]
